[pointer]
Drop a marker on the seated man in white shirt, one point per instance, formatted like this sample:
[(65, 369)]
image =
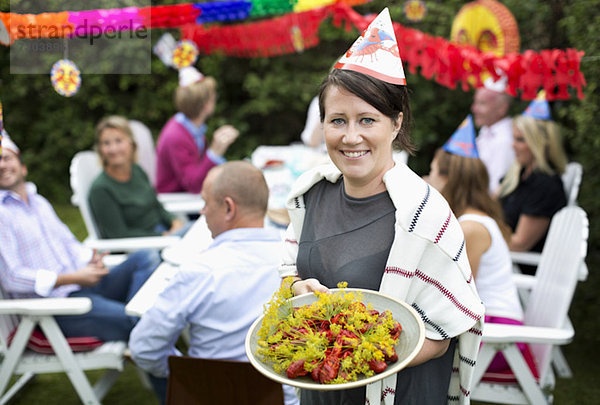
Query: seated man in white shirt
[(223, 291), (494, 142)]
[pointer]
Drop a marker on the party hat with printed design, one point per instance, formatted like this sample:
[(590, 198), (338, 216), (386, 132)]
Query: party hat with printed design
[(539, 108), (462, 141), (375, 52)]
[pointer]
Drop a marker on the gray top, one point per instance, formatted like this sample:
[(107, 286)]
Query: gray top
[(345, 238), (349, 239)]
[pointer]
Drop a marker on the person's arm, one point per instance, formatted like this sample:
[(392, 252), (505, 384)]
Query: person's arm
[(222, 138), (477, 242), (153, 339), (309, 285), (189, 169), (432, 349), (528, 232), (87, 276)]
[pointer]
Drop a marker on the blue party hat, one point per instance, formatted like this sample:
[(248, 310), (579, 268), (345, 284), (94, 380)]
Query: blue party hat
[(462, 141), (539, 108)]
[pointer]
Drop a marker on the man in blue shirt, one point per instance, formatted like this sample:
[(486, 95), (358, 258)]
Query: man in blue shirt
[(40, 257), (223, 291)]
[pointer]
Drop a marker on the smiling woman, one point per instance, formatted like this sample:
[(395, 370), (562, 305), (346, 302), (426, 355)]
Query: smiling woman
[(122, 200), (373, 223)]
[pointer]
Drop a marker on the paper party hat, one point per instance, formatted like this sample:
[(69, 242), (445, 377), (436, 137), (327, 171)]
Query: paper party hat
[(375, 52), (189, 75), (7, 143), (539, 108), (462, 141)]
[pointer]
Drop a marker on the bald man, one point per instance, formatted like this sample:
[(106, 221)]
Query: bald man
[(223, 292)]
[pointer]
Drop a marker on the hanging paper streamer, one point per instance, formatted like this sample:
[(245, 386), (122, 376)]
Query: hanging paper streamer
[(185, 54), (172, 16), (65, 77), (223, 11), (68, 23), (415, 10), (259, 39), (448, 63), (4, 34), (106, 21)]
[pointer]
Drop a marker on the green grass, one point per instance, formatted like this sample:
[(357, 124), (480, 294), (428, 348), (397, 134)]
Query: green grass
[(582, 353)]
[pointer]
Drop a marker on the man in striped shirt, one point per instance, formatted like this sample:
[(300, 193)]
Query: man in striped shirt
[(40, 257)]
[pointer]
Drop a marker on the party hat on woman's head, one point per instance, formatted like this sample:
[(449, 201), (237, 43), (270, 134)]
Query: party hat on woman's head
[(462, 141), (539, 108), (375, 52)]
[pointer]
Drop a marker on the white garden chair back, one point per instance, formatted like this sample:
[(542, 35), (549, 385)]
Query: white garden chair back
[(571, 179), (85, 167), (546, 317)]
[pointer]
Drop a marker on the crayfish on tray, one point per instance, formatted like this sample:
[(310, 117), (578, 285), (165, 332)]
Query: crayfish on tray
[(335, 339)]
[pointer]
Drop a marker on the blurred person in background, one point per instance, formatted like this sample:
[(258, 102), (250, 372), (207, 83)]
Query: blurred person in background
[(184, 154), (122, 200)]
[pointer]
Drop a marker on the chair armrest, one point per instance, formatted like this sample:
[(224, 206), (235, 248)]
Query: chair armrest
[(46, 306), (131, 244), (499, 333), (531, 258), (524, 281)]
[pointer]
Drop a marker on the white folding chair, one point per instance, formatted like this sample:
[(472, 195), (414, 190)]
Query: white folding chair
[(546, 324), (25, 315), (146, 154), (571, 179), (85, 167)]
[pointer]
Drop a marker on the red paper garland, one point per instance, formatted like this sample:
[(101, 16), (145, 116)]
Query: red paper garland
[(449, 64), (259, 39)]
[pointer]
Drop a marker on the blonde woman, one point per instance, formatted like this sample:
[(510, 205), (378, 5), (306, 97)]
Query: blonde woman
[(532, 191), (183, 154), (463, 181), (122, 200)]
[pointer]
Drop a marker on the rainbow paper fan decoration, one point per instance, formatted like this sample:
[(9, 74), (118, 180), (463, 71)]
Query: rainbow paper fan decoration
[(185, 54), (66, 77)]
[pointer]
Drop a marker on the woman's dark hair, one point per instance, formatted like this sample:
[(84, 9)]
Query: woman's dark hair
[(389, 99)]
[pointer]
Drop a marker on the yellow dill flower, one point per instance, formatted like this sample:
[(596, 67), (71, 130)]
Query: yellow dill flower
[(334, 323)]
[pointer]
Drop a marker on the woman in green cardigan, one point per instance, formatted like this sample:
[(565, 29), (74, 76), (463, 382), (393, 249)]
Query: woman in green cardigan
[(122, 200)]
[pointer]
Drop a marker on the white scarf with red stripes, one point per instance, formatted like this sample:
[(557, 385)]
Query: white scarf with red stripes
[(427, 268)]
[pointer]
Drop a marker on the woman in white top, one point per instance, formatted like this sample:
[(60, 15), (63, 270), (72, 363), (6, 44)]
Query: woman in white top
[(463, 181)]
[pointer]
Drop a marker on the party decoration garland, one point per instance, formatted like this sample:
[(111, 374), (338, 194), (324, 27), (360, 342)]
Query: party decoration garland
[(436, 58), (94, 22), (262, 38), (449, 64)]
